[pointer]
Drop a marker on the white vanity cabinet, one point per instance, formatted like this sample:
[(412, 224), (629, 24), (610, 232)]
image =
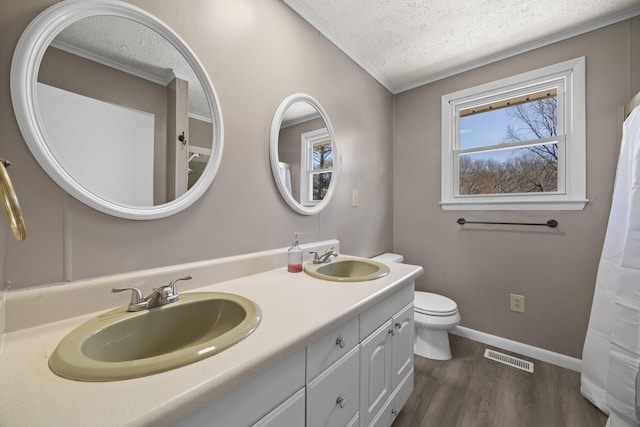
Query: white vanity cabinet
[(326, 350), (402, 347), (332, 397), (360, 373), (333, 377), (386, 358), (375, 372)]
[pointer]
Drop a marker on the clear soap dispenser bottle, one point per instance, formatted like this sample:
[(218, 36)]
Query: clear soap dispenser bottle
[(294, 257)]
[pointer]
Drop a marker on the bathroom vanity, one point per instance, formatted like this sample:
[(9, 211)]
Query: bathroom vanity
[(325, 353), (360, 373)]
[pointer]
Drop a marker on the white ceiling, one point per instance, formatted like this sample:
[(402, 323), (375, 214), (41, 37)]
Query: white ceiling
[(134, 48), (407, 43)]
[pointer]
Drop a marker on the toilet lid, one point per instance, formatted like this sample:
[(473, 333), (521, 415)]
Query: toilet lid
[(434, 304)]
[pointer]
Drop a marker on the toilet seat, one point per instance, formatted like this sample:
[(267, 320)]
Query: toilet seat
[(432, 304)]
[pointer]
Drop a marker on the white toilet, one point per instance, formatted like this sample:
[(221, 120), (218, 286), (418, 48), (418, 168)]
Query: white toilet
[(434, 316)]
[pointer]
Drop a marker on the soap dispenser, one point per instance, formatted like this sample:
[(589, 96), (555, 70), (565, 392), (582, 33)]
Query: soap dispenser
[(294, 257)]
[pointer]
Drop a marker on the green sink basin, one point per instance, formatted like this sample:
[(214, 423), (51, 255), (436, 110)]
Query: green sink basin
[(119, 344), (347, 270)]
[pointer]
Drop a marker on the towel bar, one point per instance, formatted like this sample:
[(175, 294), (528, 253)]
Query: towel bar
[(552, 223)]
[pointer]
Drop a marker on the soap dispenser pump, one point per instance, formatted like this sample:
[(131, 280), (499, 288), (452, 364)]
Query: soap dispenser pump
[(294, 257)]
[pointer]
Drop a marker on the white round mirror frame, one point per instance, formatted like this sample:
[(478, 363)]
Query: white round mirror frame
[(24, 74), (274, 156)]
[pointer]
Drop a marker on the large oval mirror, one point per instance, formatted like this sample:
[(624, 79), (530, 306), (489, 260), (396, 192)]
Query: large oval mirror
[(303, 154), (116, 108)]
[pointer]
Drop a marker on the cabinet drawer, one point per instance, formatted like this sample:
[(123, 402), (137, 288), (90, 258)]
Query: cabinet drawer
[(325, 350), (333, 397), (289, 414)]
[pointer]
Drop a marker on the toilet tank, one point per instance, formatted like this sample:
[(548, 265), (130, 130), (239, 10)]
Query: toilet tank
[(389, 257)]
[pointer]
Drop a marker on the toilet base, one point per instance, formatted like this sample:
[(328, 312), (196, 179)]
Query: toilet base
[(432, 344)]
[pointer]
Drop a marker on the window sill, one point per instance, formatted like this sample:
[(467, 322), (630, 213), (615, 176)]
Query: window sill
[(513, 205)]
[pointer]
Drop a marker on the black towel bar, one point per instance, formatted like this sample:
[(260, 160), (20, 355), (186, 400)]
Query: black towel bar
[(552, 223)]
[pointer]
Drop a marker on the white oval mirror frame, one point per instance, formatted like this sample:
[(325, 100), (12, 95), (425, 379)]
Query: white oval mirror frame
[(26, 61), (274, 155)]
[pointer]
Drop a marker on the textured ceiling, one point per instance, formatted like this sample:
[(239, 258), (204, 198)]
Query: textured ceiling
[(407, 43)]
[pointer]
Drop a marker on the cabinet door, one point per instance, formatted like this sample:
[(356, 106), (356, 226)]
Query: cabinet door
[(289, 414), (402, 358), (388, 414), (332, 397), (375, 372)]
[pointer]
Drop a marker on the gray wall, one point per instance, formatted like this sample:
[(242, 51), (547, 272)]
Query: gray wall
[(256, 53), (479, 266)]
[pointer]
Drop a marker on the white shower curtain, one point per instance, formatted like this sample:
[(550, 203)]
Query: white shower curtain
[(284, 169), (611, 353)]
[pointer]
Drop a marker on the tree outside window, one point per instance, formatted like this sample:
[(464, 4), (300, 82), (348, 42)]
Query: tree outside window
[(530, 169), (322, 159)]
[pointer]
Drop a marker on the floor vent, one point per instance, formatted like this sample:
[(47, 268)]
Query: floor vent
[(509, 360)]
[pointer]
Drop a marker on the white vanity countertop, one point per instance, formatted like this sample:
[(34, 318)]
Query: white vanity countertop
[(296, 309)]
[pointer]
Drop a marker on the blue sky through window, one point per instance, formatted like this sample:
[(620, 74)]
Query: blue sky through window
[(488, 128)]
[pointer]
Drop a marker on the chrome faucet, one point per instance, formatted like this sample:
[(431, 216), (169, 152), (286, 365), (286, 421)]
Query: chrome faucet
[(325, 258), (159, 296)]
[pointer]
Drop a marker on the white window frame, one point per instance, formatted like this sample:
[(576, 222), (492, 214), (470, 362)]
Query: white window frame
[(307, 140), (569, 78)]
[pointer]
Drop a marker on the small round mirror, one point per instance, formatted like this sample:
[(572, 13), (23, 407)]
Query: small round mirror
[(303, 154), (116, 108)]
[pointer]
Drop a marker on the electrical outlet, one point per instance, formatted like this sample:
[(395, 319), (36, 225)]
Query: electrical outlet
[(517, 303)]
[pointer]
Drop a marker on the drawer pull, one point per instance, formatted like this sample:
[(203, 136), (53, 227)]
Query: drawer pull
[(394, 412), (341, 401), (398, 325), (340, 342), (392, 332)]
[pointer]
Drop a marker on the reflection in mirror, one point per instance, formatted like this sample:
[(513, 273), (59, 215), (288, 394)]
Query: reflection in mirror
[(128, 87), (197, 161), (123, 116), (303, 154)]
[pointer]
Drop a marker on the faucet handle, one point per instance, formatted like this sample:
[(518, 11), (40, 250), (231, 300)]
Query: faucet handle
[(137, 299), (316, 256), (173, 289)]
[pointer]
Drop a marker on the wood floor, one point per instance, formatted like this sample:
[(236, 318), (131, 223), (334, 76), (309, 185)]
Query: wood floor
[(472, 391)]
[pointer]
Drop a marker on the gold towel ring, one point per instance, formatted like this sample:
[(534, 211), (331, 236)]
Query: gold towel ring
[(10, 205)]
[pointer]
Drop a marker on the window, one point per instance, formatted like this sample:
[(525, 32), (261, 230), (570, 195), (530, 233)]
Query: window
[(317, 166), (517, 143)]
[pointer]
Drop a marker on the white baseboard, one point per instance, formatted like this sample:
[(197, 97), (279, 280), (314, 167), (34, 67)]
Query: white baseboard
[(517, 347)]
